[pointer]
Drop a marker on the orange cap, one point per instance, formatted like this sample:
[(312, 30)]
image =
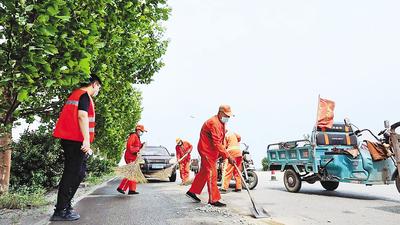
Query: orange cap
[(140, 127), (226, 109)]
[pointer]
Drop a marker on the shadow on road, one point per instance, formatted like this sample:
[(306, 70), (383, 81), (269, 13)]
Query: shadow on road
[(150, 180), (339, 194), (391, 209)]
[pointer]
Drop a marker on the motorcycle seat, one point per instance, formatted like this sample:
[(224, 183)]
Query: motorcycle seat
[(336, 138)]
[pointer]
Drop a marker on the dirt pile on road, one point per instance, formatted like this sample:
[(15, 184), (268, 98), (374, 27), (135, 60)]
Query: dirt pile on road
[(209, 209), (226, 213)]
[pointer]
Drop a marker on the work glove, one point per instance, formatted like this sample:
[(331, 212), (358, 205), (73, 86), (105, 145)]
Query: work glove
[(231, 160)]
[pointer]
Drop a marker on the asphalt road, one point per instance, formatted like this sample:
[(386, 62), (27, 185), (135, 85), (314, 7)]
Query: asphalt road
[(158, 203), (165, 203), (349, 204)]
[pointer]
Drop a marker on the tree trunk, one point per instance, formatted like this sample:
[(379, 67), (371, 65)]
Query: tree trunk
[(5, 161)]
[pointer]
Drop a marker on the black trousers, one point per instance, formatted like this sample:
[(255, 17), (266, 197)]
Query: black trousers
[(74, 172)]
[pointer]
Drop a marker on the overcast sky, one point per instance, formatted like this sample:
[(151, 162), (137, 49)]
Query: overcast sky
[(270, 60)]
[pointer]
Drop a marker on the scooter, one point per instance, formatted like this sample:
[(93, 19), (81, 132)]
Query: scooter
[(248, 168)]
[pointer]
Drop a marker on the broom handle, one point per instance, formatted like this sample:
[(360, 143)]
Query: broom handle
[(184, 156), (179, 160), (247, 188)]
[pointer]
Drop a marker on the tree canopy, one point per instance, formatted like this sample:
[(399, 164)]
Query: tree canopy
[(51, 46)]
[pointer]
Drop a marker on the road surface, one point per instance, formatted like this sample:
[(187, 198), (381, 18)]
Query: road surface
[(165, 203)]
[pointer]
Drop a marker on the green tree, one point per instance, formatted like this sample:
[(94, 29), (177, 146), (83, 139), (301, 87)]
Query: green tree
[(118, 118), (52, 45), (265, 164)]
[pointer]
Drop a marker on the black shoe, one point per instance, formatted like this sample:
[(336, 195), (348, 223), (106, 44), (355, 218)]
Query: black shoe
[(64, 215), (238, 190), (71, 210), (218, 204), (223, 191), (121, 191), (193, 196), (133, 193)]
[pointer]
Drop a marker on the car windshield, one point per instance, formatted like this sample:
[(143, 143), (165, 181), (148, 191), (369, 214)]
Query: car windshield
[(155, 151)]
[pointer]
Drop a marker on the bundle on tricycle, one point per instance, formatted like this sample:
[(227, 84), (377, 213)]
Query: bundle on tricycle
[(336, 155)]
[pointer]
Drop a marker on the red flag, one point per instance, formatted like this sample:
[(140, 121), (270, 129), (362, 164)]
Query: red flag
[(325, 113)]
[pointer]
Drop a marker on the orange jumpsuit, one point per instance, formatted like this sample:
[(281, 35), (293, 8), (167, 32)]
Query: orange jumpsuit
[(184, 165), (133, 146), (232, 145), (210, 147)]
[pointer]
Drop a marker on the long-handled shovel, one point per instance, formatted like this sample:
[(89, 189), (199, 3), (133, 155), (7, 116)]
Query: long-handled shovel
[(257, 212)]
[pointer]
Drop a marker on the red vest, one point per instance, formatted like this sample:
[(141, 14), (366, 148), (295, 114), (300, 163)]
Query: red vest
[(67, 126)]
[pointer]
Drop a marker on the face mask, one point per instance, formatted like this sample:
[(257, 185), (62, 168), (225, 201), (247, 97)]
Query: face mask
[(224, 119), (96, 90), (139, 133), (96, 93)]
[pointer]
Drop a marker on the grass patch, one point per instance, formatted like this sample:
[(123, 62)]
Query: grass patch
[(33, 197), (23, 198)]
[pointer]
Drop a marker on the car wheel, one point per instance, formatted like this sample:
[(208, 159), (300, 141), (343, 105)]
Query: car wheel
[(172, 178)]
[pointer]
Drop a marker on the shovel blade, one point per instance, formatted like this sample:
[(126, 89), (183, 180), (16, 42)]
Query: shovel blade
[(259, 213)]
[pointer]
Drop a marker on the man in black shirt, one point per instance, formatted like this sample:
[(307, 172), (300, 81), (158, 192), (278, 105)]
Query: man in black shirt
[(75, 128)]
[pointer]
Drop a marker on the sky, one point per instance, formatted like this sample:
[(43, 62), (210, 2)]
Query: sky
[(270, 60)]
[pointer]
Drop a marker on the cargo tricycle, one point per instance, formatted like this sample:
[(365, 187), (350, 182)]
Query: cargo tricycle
[(335, 155)]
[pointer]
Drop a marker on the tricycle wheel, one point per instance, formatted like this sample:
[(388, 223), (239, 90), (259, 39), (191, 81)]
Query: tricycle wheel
[(292, 180), (398, 183), (330, 185)]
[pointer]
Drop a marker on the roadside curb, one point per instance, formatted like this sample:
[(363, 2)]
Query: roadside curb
[(45, 221)]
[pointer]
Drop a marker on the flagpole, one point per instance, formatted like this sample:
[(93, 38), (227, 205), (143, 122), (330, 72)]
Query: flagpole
[(316, 121)]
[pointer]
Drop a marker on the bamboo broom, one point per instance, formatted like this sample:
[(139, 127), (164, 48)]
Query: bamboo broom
[(132, 171), (166, 173)]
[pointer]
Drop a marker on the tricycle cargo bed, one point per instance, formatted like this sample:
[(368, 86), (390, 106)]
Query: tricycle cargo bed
[(302, 154), (290, 153)]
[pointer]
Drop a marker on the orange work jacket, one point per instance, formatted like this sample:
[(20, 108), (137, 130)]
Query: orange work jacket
[(211, 143), (182, 150)]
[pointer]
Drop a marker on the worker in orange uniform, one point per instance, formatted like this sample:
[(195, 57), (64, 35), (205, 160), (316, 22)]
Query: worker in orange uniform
[(211, 147), (133, 146), (233, 147), (183, 149)]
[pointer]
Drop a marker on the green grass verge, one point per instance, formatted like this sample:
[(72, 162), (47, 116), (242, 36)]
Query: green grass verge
[(23, 198), (28, 197)]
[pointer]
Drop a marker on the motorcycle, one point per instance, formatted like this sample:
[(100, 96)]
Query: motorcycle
[(248, 168)]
